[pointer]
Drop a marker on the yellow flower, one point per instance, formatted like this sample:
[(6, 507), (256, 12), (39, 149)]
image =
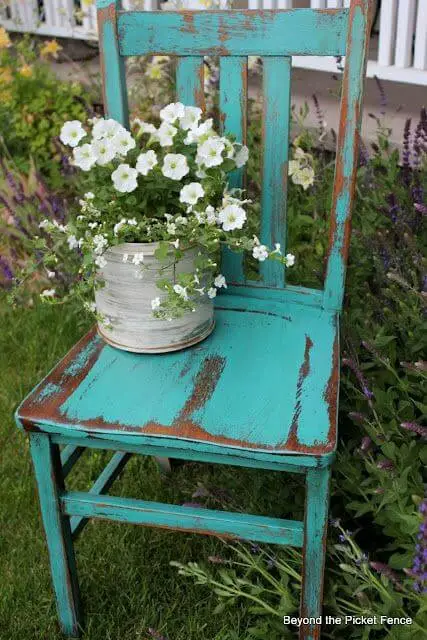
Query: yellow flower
[(5, 76), (26, 71), (5, 96), (86, 3), (4, 38), (50, 48), (153, 71)]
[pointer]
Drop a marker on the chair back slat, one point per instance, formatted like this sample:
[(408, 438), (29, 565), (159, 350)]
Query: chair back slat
[(233, 108), (275, 36), (275, 145), (190, 81)]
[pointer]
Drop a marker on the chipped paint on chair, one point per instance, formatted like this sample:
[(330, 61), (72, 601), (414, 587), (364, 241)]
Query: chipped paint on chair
[(217, 407)]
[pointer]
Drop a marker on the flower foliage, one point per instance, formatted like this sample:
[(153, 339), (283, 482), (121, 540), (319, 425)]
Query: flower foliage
[(165, 184)]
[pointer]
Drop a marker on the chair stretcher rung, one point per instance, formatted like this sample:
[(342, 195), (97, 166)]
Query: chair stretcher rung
[(248, 527), (69, 456), (101, 485)]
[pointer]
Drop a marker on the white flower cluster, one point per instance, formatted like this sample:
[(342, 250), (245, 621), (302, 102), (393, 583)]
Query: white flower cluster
[(300, 169)]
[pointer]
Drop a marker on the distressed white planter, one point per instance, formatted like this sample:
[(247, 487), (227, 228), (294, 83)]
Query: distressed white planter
[(125, 301)]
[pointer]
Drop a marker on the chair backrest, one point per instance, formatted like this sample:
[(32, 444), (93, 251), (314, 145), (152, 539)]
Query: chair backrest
[(275, 36)]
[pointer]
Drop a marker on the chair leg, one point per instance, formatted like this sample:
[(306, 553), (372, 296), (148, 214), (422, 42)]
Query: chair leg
[(48, 471), (316, 522)]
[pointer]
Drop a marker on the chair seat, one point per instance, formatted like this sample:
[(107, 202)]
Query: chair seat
[(265, 381)]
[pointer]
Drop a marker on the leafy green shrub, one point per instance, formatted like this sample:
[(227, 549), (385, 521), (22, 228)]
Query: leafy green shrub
[(34, 104)]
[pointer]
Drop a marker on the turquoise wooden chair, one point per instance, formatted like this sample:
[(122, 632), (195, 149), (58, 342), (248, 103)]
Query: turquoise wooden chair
[(262, 390)]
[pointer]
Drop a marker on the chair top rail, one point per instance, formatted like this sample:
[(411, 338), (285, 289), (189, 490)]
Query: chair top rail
[(228, 33)]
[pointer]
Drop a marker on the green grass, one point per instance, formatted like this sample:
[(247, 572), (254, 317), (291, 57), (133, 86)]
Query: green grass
[(126, 581)]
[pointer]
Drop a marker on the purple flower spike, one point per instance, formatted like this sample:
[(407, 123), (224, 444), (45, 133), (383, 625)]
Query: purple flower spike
[(415, 428), (419, 567)]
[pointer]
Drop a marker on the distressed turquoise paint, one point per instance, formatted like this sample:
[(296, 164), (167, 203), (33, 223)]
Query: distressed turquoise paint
[(249, 527), (345, 172), (233, 108), (58, 534), (112, 64), (239, 33), (277, 113), (290, 294), (47, 391), (102, 485), (124, 392), (189, 81), (190, 451), (316, 520), (83, 357)]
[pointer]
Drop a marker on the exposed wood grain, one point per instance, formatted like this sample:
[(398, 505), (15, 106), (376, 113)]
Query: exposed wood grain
[(190, 81)]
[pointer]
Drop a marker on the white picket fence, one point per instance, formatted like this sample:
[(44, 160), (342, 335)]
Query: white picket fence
[(399, 52)]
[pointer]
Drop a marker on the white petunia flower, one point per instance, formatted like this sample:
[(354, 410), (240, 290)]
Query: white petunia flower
[(50, 274), (175, 166), (304, 177), (220, 282), (200, 133), (171, 228), (100, 262), (190, 118), (84, 157), (175, 243), (232, 217), (44, 223), (100, 243), (104, 151), (191, 193), (290, 259), (138, 258), (209, 152), (106, 128), (48, 293), (165, 134), (123, 142), (125, 257), (212, 292), (89, 195), (181, 220), (132, 222), (200, 173), (144, 127), (155, 304), (72, 242), (181, 291), (210, 214), (146, 162), (172, 111), (124, 178), (241, 156), (260, 252), (71, 133), (118, 226), (277, 248)]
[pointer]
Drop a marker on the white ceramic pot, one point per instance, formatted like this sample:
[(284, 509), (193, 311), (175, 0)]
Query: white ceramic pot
[(125, 303)]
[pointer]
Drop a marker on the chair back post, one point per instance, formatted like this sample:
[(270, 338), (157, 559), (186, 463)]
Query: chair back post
[(113, 72), (359, 26)]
